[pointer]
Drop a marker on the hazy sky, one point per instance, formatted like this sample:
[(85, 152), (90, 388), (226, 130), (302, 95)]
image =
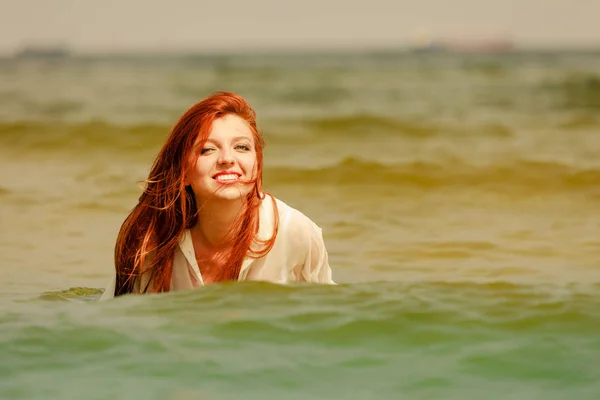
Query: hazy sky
[(100, 25)]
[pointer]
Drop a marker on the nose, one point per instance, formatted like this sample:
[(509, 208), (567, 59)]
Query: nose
[(226, 157)]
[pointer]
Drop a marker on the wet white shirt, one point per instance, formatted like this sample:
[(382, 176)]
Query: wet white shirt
[(298, 254)]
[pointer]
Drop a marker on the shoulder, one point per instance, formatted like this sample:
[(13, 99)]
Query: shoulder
[(294, 224)]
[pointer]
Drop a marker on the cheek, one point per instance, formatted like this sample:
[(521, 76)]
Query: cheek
[(201, 168), (197, 172), (251, 165)]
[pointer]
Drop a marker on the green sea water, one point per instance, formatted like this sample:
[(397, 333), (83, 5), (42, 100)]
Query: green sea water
[(458, 196), (253, 340)]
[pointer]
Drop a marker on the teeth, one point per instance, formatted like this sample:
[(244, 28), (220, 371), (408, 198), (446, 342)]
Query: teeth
[(228, 177)]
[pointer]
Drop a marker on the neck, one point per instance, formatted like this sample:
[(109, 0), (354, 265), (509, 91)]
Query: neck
[(215, 219)]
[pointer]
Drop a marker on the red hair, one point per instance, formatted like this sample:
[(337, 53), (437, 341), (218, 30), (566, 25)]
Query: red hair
[(167, 207)]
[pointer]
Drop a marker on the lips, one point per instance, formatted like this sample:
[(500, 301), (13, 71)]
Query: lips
[(226, 176)]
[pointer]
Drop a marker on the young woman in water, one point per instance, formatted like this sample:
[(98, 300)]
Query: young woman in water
[(203, 217)]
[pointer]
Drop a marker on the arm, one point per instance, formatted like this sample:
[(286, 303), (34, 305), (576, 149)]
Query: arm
[(109, 292), (316, 267), (139, 283)]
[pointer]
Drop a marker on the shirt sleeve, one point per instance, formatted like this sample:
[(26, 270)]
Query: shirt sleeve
[(139, 282), (109, 292), (316, 267)]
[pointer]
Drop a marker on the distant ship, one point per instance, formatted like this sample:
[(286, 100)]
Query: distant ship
[(494, 45), (42, 52)]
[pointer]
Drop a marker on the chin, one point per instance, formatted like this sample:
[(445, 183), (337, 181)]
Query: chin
[(232, 192)]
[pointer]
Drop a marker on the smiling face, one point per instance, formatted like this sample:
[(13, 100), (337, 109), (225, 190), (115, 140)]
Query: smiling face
[(226, 163)]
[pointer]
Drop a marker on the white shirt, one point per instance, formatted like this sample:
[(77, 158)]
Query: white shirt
[(298, 254)]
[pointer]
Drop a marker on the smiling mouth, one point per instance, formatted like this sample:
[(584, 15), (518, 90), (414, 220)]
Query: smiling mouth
[(227, 178)]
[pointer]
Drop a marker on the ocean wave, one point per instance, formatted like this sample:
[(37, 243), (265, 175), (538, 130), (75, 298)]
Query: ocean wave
[(339, 316), (366, 126), (102, 135), (534, 175), (89, 136), (368, 300), (574, 91), (259, 338)]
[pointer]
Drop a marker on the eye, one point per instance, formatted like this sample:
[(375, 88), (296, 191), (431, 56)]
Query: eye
[(242, 147), (206, 150)]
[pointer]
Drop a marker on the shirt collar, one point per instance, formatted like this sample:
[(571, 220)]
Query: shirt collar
[(265, 231)]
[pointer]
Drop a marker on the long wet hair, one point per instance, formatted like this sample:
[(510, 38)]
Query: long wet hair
[(150, 234)]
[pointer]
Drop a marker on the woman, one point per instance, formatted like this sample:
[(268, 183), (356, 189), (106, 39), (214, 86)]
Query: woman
[(203, 217)]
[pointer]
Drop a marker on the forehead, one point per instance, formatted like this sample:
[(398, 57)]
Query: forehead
[(228, 127)]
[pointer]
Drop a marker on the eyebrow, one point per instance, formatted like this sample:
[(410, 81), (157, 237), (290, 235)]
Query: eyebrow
[(235, 139)]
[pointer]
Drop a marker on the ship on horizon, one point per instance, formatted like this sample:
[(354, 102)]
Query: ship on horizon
[(42, 52), (485, 45)]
